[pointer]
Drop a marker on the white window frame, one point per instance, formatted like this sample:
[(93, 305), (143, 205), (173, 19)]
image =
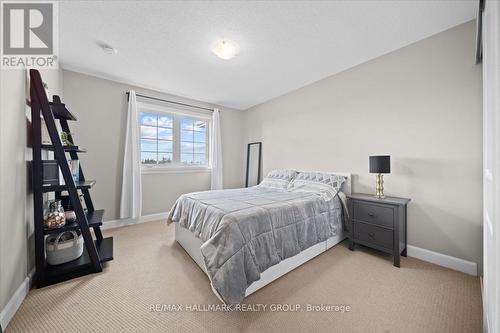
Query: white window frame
[(175, 167)]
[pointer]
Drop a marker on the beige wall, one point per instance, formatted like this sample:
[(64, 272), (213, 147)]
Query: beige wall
[(422, 105), (101, 108), (16, 201)]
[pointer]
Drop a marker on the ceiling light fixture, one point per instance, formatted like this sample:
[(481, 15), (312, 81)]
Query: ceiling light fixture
[(108, 49), (225, 48)]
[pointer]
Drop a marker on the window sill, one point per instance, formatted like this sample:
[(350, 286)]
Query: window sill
[(159, 170)]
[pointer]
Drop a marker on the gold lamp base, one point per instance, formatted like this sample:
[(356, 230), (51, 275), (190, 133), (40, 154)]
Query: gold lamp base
[(380, 186)]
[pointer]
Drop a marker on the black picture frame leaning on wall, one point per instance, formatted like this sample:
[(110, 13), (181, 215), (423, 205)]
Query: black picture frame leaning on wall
[(253, 164)]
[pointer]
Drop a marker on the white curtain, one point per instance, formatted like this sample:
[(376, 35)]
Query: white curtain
[(131, 198), (216, 152)]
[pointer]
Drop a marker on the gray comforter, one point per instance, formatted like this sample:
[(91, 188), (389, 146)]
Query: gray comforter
[(246, 231)]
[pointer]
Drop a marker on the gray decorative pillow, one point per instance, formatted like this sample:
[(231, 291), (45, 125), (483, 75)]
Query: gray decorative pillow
[(278, 178), (326, 184)]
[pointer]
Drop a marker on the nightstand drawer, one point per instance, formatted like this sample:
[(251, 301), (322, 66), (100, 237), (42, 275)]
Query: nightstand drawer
[(374, 235), (374, 214)]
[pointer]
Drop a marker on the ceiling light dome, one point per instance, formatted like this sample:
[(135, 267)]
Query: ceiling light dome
[(225, 48), (108, 49)]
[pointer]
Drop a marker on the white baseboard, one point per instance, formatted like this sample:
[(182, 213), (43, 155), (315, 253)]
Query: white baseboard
[(437, 258), (486, 320), (16, 300), (440, 259), (124, 222), (444, 260)]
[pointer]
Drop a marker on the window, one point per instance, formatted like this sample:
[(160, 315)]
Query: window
[(171, 139), (156, 138), (193, 142)]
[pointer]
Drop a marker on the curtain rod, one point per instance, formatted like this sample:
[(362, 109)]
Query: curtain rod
[(173, 102)]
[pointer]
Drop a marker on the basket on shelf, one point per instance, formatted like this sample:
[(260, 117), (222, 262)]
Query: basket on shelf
[(63, 248)]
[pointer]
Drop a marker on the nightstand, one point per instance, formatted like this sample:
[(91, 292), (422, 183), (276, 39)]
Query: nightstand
[(378, 223)]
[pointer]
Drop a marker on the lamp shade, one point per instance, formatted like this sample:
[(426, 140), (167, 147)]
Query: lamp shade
[(380, 164)]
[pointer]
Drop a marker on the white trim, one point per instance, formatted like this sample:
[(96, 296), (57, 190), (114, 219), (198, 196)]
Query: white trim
[(444, 260), (15, 301), (160, 107), (186, 169), (486, 322), (125, 222), (437, 258)]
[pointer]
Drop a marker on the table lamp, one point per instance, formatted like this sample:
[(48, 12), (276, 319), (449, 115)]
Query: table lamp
[(380, 164)]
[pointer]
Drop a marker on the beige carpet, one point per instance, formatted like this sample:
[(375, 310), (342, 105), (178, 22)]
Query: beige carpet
[(151, 268)]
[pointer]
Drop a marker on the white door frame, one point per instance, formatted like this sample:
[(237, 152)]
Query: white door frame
[(491, 166)]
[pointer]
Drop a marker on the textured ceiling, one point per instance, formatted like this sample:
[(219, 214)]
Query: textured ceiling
[(165, 45)]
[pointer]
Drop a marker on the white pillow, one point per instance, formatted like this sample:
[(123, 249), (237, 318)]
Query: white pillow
[(278, 178), (326, 184)]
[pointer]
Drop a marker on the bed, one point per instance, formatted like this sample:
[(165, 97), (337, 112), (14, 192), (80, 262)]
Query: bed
[(244, 239)]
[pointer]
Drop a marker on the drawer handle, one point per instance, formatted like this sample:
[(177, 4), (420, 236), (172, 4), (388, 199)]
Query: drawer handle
[(370, 214), (371, 235)]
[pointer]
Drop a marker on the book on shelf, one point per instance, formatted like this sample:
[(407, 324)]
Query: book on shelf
[(74, 167)]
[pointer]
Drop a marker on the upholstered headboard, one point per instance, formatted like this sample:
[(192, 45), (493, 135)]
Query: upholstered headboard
[(346, 187)]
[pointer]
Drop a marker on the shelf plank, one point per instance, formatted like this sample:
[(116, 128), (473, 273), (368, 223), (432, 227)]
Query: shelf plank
[(57, 188), (60, 111), (94, 219), (66, 148), (80, 266), (105, 249)]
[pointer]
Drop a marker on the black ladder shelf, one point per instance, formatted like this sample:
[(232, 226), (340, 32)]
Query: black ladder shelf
[(95, 251)]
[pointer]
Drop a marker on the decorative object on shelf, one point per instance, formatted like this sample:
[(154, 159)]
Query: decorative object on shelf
[(45, 133), (53, 215), (254, 155), (47, 91), (70, 216), (63, 248), (380, 164), (50, 171), (65, 138), (74, 167)]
